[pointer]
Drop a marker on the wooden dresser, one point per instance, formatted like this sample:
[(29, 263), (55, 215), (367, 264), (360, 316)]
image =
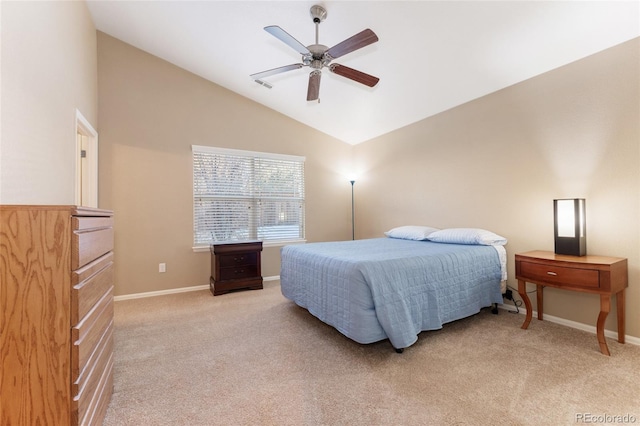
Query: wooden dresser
[(235, 266), (56, 311)]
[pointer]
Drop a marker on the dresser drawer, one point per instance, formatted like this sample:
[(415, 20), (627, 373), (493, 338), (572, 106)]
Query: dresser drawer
[(84, 223), (86, 335), (87, 246), (229, 260), (239, 272), (85, 382), (552, 274), (91, 404), (87, 388), (90, 283)]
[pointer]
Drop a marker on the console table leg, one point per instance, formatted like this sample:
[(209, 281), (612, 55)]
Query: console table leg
[(539, 289), (621, 318), (605, 307), (522, 291)]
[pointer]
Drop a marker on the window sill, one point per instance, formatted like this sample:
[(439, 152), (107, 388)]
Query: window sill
[(200, 249)]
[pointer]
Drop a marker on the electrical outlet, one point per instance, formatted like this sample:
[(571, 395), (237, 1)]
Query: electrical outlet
[(508, 295), (162, 267)]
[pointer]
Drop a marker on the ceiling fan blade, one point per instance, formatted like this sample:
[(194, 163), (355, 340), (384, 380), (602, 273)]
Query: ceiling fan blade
[(287, 38), (360, 40), (313, 92), (263, 74), (355, 75)]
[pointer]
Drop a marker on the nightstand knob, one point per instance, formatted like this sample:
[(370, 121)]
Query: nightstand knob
[(551, 273)]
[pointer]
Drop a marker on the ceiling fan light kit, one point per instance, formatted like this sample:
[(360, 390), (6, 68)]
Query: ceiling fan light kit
[(318, 56)]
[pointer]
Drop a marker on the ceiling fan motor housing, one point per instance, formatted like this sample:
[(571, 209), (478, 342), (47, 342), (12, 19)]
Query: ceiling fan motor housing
[(318, 57)]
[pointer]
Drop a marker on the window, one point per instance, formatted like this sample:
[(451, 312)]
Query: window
[(243, 195)]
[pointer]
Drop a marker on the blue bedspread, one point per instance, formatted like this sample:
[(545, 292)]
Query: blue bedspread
[(380, 288)]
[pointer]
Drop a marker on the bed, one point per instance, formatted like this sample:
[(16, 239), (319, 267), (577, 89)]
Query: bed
[(393, 288)]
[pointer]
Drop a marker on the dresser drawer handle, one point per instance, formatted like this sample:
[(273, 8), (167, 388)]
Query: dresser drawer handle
[(240, 271), (238, 259), (551, 273)]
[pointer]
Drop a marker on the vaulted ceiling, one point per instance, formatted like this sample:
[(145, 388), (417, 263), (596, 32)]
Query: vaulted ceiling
[(431, 55)]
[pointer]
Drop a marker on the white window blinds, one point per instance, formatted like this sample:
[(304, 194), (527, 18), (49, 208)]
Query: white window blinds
[(243, 195)]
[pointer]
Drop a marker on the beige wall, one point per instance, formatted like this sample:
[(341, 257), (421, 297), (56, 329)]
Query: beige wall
[(499, 161), (49, 69), (151, 112)]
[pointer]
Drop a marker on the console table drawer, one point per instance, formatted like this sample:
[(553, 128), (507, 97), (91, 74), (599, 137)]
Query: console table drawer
[(575, 277)]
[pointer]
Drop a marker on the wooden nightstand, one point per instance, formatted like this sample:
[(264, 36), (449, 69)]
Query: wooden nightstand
[(601, 275), (235, 266)]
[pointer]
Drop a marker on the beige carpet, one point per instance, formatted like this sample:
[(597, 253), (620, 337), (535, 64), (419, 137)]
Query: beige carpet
[(255, 358)]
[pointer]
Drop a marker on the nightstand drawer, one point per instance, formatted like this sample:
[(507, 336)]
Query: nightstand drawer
[(239, 272), (571, 277), (238, 259)]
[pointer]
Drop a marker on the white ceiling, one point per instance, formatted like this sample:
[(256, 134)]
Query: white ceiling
[(432, 55)]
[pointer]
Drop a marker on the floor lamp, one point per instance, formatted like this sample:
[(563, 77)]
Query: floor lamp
[(353, 219)]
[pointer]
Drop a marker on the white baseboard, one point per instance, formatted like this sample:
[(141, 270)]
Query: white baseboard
[(573, 324), (174, 291)]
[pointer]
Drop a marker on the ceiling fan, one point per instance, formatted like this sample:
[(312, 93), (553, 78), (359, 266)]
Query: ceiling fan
[(318, 56)]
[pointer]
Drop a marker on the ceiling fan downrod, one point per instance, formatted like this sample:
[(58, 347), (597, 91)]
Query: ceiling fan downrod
[(317, 59), (318, 14)]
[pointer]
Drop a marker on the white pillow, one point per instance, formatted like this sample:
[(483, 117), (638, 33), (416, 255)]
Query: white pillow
[(467, 236), (411, 232)]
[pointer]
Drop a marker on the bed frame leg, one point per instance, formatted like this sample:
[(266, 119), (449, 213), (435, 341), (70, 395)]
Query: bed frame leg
[(399, 350), (494, 310)]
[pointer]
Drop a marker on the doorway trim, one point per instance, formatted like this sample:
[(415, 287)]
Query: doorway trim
[(87, 163)]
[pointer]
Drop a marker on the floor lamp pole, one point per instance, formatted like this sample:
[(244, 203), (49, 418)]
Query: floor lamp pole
[(353, 219)]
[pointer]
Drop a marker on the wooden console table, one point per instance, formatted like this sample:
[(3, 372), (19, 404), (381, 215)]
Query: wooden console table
[(601, 275)]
